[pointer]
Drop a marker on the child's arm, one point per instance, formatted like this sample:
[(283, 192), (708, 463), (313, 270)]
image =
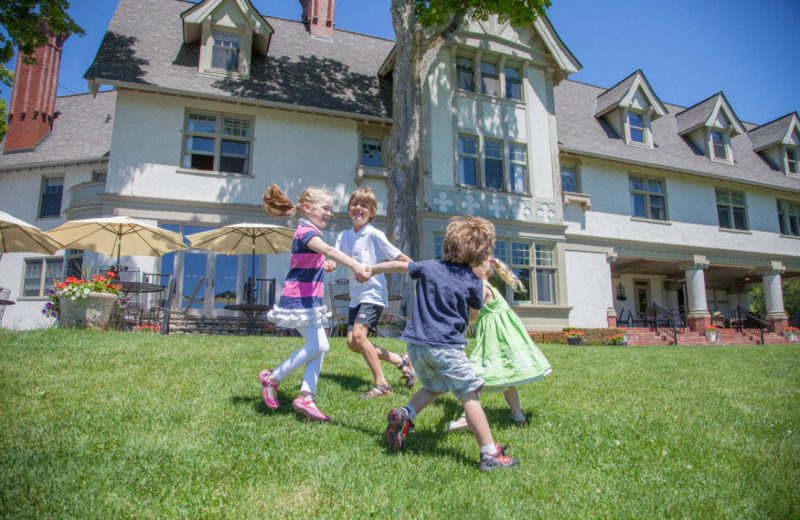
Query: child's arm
[(403, 258), (474, 314), (319, 245), (395, 266)]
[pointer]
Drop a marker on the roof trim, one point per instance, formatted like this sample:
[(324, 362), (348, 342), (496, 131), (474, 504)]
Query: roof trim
[(194, 17), (721, 104), (607, 101)]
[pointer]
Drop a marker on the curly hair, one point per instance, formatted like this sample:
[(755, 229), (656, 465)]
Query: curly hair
[(469, 240), (277, 204), (508, 276), (366, 197)]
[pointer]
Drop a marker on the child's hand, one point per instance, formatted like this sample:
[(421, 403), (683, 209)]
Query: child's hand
[(330, 265), (365, 274)]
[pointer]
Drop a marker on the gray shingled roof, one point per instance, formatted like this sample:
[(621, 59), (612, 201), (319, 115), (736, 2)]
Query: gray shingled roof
[(771, 133), (697, 115), (613, 96), (144, 44), (580, 132), (81, 131)]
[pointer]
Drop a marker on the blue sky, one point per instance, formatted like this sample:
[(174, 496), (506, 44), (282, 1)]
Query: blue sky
[(687, 49)]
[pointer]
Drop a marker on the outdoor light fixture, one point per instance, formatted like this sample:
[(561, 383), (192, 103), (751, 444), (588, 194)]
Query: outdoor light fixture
[(621, 292)]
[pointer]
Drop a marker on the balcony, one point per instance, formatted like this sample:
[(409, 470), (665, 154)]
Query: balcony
[(84, 200)]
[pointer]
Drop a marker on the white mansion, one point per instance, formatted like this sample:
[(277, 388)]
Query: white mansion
[(605, 201)]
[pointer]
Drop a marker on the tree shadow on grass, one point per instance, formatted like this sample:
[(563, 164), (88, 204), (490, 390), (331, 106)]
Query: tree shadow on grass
[(350, 383)]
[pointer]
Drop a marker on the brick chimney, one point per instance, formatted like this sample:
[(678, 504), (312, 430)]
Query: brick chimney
[(318, 16), (33, 98)]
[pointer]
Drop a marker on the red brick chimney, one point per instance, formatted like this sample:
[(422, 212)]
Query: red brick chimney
[(318, 15), (33, 98)]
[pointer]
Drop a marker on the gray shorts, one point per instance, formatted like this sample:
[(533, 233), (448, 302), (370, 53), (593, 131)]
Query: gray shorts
[(367, 314), (444, 369)]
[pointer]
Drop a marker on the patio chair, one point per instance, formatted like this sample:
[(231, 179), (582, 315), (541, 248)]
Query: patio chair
[(151, 301), (339, 292), (394, 318), (173, 300)]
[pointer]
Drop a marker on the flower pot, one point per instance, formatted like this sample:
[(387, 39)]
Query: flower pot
[(712, 335), (91, 312), (790, 335), (574, 341)]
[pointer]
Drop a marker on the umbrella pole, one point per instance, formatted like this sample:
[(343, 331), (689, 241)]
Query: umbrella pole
[(252, 272)]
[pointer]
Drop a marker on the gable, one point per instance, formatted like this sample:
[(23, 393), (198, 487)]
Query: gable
[(232, 14)]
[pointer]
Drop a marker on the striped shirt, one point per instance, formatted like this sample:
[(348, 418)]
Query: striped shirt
[(304, 287)]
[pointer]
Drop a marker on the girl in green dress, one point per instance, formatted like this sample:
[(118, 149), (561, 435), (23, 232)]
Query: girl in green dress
[(505, 356)]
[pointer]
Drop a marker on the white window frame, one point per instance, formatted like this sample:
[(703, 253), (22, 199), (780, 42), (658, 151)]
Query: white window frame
[(365, 141), (792, 164), (725, 142), (49, 185), (490, 83), (531, 261), (466, 154), (644, 118), (499, 79), (648, 194), (726, 201), (44, 283), (507, 160), (789, 217), (461, 69), (517, 158), (226, 37), (218, 136), (570, 170), (515, 81)]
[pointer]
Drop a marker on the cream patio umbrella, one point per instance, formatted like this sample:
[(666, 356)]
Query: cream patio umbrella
[(245, 237), (117, 236), (17, 236)]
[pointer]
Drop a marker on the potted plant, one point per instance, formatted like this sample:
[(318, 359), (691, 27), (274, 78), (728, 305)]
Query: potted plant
[(77, 302), (790, 333), (712, 333), (574, 337), (617, 338)]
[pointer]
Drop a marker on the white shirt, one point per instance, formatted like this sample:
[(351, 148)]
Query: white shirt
[(368, 246)]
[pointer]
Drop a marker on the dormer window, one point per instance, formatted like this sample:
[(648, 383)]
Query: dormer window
[(629, 108), (636, 128), (719, 146), (710, 125), (792, 166), (225, 54)]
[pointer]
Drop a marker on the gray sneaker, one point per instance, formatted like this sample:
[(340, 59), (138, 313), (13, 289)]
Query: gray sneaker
[(498, 460)]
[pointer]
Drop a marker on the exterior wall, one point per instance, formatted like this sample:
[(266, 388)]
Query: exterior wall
[(589, 287)]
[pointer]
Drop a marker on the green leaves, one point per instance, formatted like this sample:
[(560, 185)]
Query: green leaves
[(519, 12)]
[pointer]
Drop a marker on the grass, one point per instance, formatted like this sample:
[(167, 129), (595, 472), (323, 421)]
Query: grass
[(101, 425)]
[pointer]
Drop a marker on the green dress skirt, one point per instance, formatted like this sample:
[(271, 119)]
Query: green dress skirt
[(504, 354)]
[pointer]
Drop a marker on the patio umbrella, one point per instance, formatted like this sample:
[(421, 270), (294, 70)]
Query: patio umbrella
[(246, 237), (117, 236), (17, 236)]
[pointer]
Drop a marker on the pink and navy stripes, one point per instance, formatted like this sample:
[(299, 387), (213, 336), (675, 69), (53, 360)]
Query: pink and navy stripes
[(304, 287)]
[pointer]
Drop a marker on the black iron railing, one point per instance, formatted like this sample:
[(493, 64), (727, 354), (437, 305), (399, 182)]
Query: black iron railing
[(749, 322), (665, 320)]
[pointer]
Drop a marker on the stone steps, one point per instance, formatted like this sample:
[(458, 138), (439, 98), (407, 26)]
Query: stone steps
[(644, 336)]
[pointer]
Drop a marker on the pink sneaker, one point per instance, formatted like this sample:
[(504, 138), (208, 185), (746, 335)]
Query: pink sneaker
[(271, 402), (303, 406)]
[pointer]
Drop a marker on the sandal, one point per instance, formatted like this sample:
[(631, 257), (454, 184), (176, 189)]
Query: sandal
[(377, 391), (458, 424), (303, 406), (519, 420), (408, 371), (266, 385)]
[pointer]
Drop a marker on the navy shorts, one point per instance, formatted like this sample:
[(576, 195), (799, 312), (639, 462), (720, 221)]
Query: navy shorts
[(367, 314)]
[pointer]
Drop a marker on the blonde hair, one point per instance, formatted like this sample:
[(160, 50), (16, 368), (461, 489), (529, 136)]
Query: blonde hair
[(507, 275), (469, 240), (277, 204), (367, 197)]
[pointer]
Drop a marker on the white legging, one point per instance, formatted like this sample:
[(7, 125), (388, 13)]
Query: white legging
[(311, 355)]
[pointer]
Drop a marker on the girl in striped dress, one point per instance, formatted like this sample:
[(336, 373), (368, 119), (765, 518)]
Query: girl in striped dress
[(301, 302)]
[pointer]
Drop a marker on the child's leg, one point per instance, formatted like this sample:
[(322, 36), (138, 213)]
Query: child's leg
[(315, 348), (422, 399), (476, 419), (369, 351), (512, 398), (314, 336)]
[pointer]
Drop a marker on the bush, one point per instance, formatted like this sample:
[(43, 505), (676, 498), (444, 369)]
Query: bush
[(590, 336)]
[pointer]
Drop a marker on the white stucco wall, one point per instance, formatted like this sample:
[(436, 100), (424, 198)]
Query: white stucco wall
[(588, 288)]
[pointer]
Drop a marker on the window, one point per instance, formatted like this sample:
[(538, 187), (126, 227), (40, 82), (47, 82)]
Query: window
[(792, 165), (636, 128), (569, 179), (99, 176), (731, 210), (789, 218), (537, 272), (52, 190), (513, 83), (493, 164), (719, 147), (467, 160), (226, 52), (371, 154), (40, 274), (490, 81), (438, 243), (516, 152), (648, 198), (466, 78), (217, 142), (73, 261)]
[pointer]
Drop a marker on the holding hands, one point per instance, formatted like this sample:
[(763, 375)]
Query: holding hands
[(365, 274)]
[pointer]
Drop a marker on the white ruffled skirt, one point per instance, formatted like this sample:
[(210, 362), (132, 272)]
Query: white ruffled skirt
[(293, 318)]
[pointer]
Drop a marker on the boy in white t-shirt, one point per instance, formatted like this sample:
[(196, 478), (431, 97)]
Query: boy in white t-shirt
[(368, 245)]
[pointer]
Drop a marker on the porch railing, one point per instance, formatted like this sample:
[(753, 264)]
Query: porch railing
[(749, 322), (666, 320)]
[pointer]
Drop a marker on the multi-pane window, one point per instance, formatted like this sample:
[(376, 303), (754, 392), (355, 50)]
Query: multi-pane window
[(534, 265), (731, 210), (719, 148), (438, 243), (217, 142), (73, 259), (226, 51), (493, 163), (792, 165), (513, 83), (371, 152), (636, 127), (466, 78), (467, 160), (40, 274), (789, 218), (490, 81), (569, 179), (517, 155), (648, 198), (52, 191), (99, 176)]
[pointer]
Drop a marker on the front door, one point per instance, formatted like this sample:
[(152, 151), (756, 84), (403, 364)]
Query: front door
[(641, 289)]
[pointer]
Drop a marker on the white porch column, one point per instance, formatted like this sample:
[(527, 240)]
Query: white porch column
[(773, 296), (611, 312), (698, 316)]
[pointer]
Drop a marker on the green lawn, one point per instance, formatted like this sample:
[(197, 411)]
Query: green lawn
[(113, 425)]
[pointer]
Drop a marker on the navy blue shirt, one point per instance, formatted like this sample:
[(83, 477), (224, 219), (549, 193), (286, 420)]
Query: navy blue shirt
[(445, 292)]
